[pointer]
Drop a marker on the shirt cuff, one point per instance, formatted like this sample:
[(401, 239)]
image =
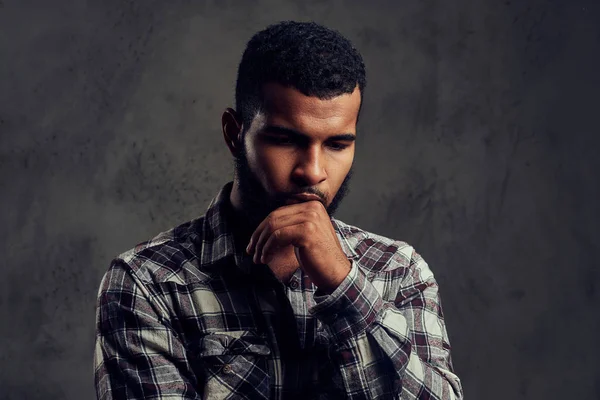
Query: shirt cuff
[(351, 308)]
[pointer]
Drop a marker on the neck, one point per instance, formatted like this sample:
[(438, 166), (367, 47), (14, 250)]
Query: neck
[(240, 223)]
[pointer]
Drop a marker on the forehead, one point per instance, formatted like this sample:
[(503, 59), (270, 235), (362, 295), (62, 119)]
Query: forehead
[(289, 107)]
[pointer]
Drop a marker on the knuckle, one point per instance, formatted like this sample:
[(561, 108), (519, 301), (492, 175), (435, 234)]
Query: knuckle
[(313, 214), (315, 205), (310, 227)]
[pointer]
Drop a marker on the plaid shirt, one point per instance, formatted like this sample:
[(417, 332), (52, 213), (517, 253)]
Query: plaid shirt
[(187, 315)]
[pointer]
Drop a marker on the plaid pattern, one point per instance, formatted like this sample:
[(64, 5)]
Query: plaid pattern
[(187, 315)]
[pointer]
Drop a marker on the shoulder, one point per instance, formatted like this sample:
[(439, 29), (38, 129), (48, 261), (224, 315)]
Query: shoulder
[(170, 256), (377, 253)]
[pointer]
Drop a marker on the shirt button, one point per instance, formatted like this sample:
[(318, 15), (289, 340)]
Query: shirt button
[(294, 284), (227, 369)]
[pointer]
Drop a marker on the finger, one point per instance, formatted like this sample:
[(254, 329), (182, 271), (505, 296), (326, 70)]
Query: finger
[(279, 212), (270, 225), (258, 231), (291, 209), (286, 236)]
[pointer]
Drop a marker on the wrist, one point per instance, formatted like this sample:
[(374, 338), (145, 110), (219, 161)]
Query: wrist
[(332, 282)]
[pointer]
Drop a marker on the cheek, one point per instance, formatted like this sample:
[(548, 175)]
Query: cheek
[(343, 165), (340, 165), (272, 165)]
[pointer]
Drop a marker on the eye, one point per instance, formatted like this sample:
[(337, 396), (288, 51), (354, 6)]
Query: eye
[(337, 146)]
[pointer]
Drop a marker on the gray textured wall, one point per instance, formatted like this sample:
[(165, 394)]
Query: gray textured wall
[(478, 145)]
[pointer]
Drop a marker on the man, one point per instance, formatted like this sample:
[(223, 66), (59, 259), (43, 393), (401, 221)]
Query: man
[(267, 295)]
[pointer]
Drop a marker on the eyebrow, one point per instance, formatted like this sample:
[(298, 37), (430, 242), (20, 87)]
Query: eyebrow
[(276, 129)]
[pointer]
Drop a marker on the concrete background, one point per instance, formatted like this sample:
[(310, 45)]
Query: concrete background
[(478, 145)]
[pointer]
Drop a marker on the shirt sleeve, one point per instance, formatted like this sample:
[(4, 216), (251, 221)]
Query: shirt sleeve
[(137, 354), (390, 349)]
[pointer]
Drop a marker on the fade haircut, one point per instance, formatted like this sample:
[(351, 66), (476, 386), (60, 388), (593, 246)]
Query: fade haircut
[(313, 59)]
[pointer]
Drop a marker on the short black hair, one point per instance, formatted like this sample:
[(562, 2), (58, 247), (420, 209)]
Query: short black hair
[(313, 59)]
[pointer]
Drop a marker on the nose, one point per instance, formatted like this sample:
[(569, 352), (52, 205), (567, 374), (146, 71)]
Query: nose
[(310, 169)]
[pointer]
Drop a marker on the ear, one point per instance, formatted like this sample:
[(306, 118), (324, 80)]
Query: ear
[(232, 130)]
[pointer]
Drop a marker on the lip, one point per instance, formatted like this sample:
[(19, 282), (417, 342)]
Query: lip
[(300, 198)]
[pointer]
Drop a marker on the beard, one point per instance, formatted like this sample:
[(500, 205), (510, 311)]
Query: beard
[(257, 204)]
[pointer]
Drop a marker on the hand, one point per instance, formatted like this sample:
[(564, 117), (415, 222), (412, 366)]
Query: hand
[(307, 227)]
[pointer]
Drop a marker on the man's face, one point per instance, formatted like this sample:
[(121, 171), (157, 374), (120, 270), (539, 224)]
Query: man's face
[(299, 144)]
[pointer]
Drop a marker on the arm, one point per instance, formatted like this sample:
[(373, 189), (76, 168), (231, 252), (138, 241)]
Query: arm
[(390, 349), (137, 354)]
